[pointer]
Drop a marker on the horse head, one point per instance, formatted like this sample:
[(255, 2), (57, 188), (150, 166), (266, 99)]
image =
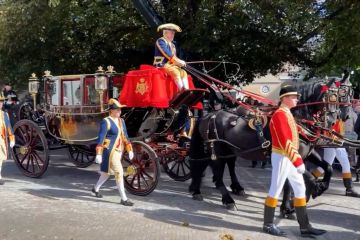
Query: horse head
[(318, 100), (346, 94)]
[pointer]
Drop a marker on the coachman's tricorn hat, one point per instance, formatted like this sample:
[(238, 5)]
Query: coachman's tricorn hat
[(288, 90), (169, 26), (115, 104)]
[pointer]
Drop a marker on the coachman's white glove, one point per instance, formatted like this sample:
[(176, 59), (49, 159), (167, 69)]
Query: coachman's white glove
[(12, 144), (182, 63), (131, 155), (301, 169), (98, 159)]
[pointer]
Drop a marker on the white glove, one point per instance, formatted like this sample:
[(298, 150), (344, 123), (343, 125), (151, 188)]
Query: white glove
[(301, 169), (12, 144), (98, 159), (131, 155), (182, 63)]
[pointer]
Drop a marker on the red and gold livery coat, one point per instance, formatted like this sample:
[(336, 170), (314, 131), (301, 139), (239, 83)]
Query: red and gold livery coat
[(285, 136)]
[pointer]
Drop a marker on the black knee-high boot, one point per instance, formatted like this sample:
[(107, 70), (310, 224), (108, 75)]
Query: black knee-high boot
[(305, 227), (357, 170), (349, 189), (269, 226)]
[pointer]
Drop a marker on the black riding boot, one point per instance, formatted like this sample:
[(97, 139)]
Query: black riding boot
[(305, 227), (357, 170), (269, 226), (349, 189)]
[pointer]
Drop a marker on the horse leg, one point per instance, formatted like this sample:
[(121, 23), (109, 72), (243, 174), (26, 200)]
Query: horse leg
[(198, 163), (197, 168), (287, 209), (318, 188), (218, 168), (235, 186)]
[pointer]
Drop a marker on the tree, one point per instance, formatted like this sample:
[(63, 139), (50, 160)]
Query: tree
[(75, 36)]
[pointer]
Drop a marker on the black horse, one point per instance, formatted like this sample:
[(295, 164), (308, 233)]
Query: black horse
[(225, 135)]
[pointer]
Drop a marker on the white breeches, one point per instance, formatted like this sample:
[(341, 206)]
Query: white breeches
[(340, 154), (282, 169)]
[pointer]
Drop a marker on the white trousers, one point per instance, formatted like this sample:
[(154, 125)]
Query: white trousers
[(340, 154), (282, 169)]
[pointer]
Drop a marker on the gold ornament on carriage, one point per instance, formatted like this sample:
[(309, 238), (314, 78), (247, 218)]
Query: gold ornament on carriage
[(142, 87)]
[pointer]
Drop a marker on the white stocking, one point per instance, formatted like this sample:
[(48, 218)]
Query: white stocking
[(185, 82), (120, 185), (102, 179)]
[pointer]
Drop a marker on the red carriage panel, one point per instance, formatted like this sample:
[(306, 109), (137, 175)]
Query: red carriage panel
[(149, 87)]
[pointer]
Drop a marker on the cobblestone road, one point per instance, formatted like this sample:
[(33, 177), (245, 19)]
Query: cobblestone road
[(60, 206)]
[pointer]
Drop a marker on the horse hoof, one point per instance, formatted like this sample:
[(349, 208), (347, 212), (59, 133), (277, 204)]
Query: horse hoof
[(240, 193), (197, 197), (230, 206)]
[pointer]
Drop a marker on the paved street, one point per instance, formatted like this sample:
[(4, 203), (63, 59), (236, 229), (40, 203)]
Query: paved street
[(60, 206)]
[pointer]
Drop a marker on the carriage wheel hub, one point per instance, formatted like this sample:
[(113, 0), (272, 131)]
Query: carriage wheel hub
[(24, 150), (130, 170)]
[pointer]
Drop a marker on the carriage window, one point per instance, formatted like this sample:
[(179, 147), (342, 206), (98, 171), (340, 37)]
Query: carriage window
[(52, 91), (116, 93), (71, 92)]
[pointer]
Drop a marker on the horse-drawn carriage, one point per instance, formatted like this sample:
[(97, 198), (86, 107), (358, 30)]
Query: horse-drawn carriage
[(69, 108)]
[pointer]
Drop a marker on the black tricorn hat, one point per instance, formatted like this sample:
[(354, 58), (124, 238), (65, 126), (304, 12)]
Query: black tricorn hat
[(115, 104), (287, 90)]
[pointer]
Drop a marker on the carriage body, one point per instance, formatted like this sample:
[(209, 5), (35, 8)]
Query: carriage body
[(67, 113)]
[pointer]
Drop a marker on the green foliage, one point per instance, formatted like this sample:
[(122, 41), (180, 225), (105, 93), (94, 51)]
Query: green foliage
[(75, 36)]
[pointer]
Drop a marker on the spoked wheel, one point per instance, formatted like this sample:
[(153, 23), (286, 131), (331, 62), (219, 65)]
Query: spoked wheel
[(176, 164), (141, 174), (31, 149), (81, 156), (24, 111)]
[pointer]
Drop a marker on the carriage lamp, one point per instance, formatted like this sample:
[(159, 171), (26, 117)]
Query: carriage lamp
[(33, 87), (100, 84), (49, 81)]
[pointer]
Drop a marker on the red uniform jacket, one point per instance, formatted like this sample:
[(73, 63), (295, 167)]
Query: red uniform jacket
[(285, 136), (339, 127)]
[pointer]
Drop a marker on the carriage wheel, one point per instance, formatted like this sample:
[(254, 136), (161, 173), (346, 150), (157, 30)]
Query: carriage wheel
[(31, 149), (141, 174), (81, 157), (176, 164), (24, 111)]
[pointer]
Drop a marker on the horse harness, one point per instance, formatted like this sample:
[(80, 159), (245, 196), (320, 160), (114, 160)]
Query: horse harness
[(254, 123)]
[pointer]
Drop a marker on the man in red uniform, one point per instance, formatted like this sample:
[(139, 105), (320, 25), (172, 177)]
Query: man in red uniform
[(286, 164)]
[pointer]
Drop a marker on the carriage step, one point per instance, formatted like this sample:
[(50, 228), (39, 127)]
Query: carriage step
[(188, 97)]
